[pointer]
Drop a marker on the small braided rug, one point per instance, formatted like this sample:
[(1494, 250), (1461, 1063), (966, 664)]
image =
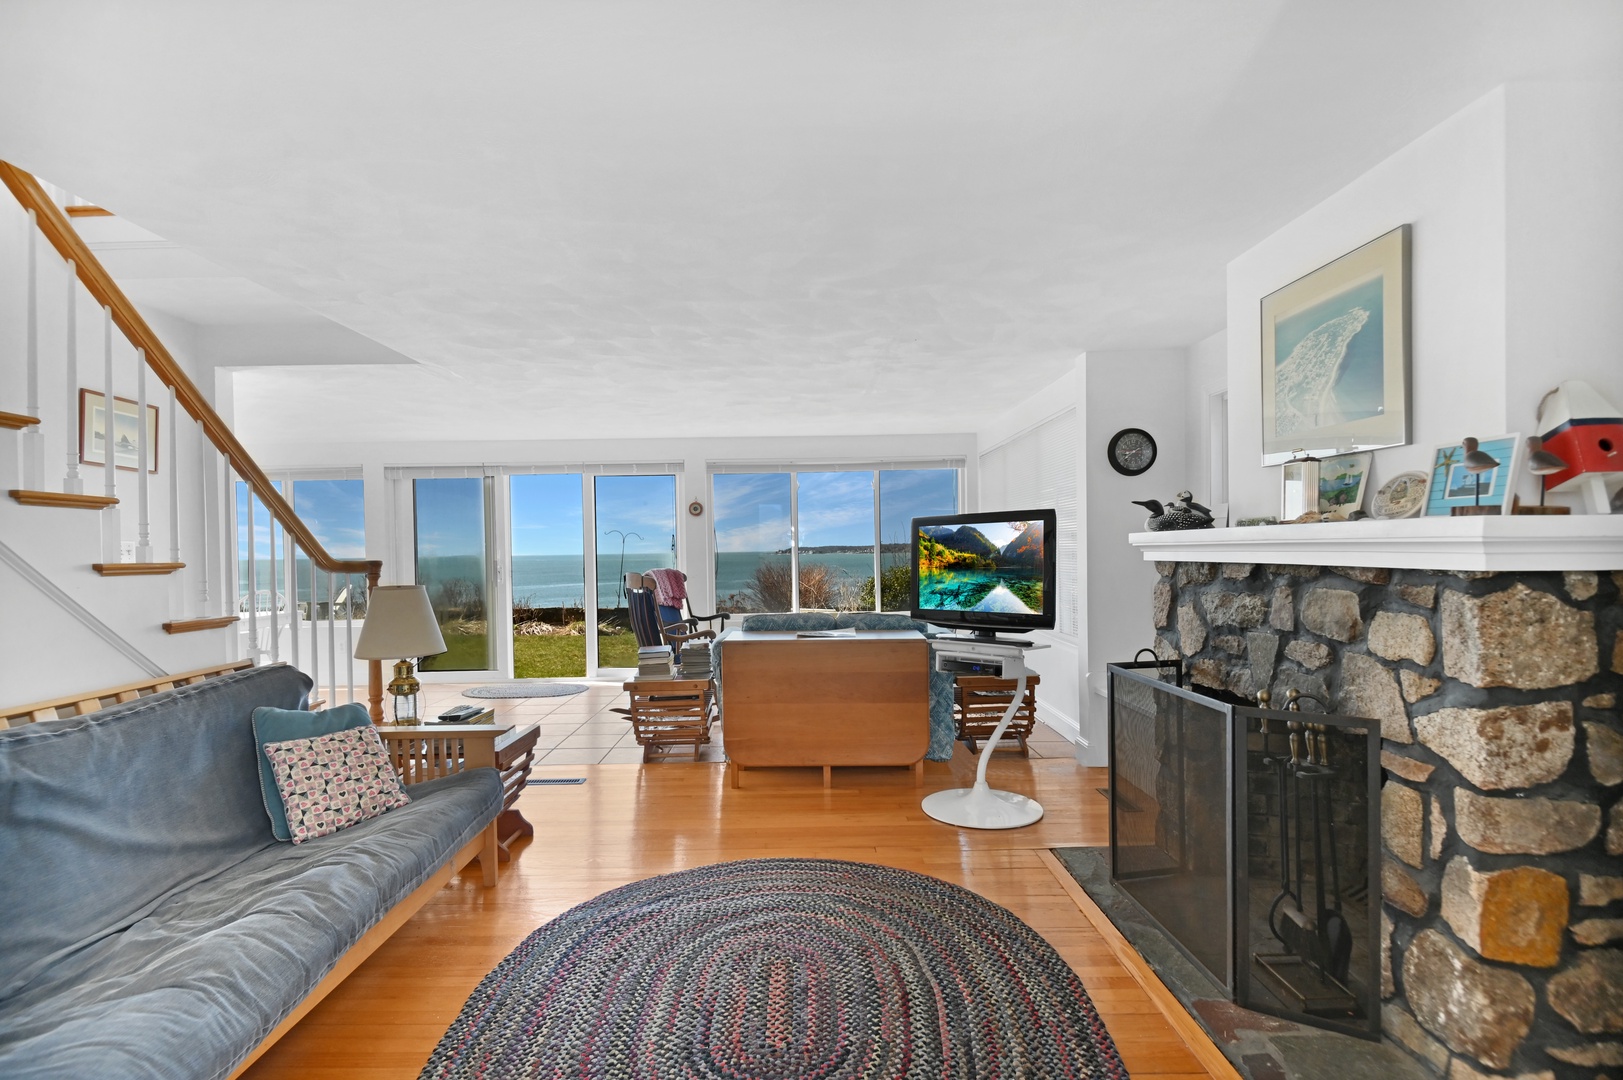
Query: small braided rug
[(777, 969), (523, 688)]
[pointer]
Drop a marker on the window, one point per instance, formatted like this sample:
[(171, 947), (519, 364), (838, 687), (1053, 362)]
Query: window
[(335, 513), (819, 539)]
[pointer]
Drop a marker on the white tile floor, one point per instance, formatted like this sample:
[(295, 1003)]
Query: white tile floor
[(583, 729)]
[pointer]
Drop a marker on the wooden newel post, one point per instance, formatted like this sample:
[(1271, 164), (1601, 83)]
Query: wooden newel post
[(374, 668)]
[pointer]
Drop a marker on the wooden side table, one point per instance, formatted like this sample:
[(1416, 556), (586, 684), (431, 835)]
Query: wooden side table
[(671, 712), (426, 751), (978, 703)]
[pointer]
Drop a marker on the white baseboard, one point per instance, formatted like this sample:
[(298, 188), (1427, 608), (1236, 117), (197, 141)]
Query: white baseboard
[(1060, 722)]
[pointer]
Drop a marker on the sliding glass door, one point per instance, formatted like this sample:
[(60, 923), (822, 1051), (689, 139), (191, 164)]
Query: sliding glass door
[(635, 529), (548, 575), (453, 564)]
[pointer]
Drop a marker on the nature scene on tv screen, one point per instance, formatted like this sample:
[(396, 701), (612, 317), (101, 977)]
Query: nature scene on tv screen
[(992, 566)]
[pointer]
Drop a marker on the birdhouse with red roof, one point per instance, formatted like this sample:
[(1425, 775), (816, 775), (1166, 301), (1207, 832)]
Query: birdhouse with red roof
[(1584, 430)]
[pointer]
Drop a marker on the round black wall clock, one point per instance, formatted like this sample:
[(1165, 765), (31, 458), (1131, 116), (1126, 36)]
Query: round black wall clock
[(1131, 451)]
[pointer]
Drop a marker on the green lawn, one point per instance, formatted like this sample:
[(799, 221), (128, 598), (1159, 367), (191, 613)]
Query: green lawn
[(547, 656), (463, 652), (553, 656)]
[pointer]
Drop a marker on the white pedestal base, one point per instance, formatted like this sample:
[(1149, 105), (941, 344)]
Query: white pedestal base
[(981, 807)]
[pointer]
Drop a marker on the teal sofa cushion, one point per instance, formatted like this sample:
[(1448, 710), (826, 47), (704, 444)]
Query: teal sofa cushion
[(284, 725)]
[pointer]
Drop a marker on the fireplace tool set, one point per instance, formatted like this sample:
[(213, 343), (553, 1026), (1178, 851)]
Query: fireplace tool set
[(1311, 973)]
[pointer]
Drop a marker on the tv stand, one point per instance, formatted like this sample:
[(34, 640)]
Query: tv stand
[(981, 806)]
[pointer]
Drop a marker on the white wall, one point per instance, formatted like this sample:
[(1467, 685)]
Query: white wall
[(1450, 185), (1063, 664), (1205, 379), (1110, 391), (1564, 246), (45, 653), (1517, 264), (1143, 389)]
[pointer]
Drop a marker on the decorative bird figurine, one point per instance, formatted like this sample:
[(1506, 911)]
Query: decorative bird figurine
[(1542, 463), (1183, 513), (1476, 463)]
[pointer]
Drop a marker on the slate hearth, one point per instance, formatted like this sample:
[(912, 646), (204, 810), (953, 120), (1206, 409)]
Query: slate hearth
[(1502, 748)]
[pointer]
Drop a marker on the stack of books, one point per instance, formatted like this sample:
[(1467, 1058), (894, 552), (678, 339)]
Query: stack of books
[(696, 660), (655, 662)]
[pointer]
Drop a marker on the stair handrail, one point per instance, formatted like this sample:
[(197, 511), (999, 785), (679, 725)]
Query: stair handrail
[(56, 227)]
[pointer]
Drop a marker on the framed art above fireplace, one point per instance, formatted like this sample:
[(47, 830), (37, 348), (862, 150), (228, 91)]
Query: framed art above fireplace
[(1335, 355)]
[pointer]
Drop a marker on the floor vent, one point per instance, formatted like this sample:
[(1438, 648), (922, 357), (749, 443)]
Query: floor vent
[(535, 780)]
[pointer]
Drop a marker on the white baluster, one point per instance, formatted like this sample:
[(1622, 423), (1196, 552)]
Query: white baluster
[(275, 590), (204, 507), (174, 480), (292, 575), (332, 648), (315, 637), (112, 533), (33, 440), (72, 483), (143, 456), (253, 576), (349, 632)]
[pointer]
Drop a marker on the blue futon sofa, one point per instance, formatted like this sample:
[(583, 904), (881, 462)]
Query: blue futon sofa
[(152, 926)]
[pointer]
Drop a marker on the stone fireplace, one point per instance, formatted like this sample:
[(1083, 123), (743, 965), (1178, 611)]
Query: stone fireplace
[(1491, 653)]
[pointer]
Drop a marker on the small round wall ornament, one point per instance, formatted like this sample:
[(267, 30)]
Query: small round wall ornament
[(695, 507), (1402, 496), (1131, 451)]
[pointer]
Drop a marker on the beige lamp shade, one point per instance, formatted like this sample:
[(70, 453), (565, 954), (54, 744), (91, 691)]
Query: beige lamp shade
[(399, 623)]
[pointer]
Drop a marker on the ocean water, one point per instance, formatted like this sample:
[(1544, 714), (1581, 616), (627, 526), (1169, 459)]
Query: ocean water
[(557, 580)]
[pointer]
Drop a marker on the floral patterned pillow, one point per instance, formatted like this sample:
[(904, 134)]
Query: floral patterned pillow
[(334, 781)]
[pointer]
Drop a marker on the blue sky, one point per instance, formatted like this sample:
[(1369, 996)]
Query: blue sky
[(547, 514)]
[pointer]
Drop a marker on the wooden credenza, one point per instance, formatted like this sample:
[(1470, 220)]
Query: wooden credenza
[(789, 700)]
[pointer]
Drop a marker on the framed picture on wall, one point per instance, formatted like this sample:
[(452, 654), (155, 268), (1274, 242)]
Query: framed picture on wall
[(1452, 484), (126, 436), (1335, 355)]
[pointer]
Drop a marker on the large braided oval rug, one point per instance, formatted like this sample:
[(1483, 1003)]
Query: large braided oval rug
[(777, 969)]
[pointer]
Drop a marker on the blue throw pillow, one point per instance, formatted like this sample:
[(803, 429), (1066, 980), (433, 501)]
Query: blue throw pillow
[(281, 725)]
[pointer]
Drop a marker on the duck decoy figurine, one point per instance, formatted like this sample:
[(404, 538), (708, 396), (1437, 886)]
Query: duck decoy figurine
[(1476, 463), (1182, 513), (1542, 463)]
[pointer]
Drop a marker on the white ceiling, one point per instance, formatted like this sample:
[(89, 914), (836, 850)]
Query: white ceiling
[(767, 218)]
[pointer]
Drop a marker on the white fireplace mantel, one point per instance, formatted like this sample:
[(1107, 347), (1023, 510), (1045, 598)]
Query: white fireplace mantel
[(1517, 542)]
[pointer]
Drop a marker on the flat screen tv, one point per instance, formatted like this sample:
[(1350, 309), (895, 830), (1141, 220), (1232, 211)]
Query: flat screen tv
[(986, 573)]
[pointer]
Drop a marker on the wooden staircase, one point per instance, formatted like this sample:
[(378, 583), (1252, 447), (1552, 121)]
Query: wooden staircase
[(153, 359)]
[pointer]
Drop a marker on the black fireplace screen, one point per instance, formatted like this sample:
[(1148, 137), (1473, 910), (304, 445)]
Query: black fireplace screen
[(1171, 837), (1249, 835)]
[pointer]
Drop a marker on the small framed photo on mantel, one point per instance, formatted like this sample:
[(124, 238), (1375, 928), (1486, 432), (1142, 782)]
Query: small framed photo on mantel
[(1454, 485), (1335, 355), (126, 436)]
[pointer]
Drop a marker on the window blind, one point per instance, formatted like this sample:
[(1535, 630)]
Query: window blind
[(461, 472), (1036, 469)]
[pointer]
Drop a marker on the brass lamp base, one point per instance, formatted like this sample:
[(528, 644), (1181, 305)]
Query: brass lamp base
[(405, 688)]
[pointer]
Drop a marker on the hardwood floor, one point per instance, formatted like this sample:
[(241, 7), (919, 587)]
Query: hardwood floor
[(629, 822)]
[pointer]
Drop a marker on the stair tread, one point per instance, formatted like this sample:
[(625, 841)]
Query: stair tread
[(186, 626), (59, 498), (17, 421), (130, 569)]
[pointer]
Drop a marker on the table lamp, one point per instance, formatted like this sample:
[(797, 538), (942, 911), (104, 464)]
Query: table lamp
[(400, 626)]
